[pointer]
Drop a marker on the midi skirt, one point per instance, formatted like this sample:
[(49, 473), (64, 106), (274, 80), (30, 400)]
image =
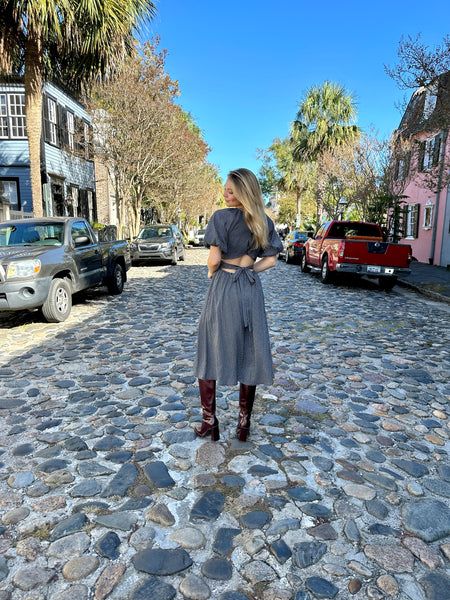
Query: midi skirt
[(233, 338)]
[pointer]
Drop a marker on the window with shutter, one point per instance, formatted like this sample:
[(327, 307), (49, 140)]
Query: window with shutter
[(429, 153)]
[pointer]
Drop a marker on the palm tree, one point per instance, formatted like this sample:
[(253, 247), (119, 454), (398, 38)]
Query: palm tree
[(295, 175), (75, 41), (323, 123)]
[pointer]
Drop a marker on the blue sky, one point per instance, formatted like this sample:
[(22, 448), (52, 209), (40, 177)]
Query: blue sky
[(242, 66)]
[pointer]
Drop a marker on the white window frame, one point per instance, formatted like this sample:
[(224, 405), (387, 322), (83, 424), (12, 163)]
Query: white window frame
[(4, 131), (70, 129), (400, 169), (411, 222), (17, 121), (428, 154), (52, 121), (428, 215), (9, 189)]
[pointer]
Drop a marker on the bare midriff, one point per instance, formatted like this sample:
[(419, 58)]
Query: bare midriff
[(241, 261)]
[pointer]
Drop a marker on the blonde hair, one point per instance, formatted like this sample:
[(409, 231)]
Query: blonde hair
[(247, 190)]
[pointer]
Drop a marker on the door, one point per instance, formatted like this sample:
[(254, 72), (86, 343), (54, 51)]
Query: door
[(58, 203), (87, 256), (315, 246)]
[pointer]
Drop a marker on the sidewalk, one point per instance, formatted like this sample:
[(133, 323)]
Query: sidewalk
[(428, 280)]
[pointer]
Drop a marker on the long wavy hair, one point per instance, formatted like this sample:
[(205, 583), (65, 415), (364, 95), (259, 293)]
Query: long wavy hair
[(247, 190)]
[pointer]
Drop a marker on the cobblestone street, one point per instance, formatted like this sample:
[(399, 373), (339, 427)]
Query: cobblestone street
[(342, 491)]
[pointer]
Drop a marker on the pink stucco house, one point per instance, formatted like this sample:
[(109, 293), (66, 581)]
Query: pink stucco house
[(421, 171)]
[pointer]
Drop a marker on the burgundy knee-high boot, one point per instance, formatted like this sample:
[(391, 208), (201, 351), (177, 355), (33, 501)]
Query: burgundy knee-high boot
[(246, 399), (210, 425)]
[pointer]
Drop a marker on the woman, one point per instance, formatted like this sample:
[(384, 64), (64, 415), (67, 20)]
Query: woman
[(233, 338)]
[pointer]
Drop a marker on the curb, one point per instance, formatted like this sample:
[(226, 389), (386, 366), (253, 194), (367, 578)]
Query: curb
[(423, 292)]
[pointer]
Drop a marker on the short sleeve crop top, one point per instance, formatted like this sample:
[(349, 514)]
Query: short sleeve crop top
[(228, 230)]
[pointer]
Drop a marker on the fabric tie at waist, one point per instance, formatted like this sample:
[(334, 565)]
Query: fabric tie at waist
[(241, 276)]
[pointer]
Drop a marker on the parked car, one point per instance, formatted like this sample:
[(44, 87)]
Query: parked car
[(44, 261), (199, 237), (158, 242), (357, 248), (293, 246)]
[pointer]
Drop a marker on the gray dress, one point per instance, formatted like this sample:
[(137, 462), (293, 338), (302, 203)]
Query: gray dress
[(233, 339)]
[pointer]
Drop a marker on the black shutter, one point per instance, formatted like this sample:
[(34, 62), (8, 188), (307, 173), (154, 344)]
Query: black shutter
[(79, 135), (407, 164), (62, 137), (421, 155), (436, 149), (45, 118), (416, 220), (90, 143), (83, 207)]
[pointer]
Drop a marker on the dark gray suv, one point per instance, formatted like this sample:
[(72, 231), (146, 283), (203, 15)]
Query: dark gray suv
[(159, 243)]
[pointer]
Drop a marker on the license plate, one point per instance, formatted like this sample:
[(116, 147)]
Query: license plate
[(373, 269)]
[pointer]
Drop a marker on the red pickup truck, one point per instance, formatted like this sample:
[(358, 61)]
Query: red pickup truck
[(357, 248)]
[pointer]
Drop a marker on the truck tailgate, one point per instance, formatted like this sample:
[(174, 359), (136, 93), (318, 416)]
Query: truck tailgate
[(376, 253)]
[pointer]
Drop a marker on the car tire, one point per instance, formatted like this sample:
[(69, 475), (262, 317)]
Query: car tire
[(174, 259), (116, 282), (326, 275), (183, 254), (287, 257), (386, 283), (304, 264), (58, 305)]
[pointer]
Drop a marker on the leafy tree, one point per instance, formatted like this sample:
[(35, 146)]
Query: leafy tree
[(289, 180), (324, 122), (153, 149), (66, 39)]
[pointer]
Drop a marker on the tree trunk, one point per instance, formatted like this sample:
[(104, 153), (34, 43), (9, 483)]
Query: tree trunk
[(321, 184), (33, 112)]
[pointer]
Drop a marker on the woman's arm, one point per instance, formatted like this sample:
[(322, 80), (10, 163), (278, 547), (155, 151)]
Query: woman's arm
[(265, 263), (214, 259)]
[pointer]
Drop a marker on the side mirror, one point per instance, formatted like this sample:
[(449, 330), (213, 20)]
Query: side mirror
[(310, 234), (81, 240)]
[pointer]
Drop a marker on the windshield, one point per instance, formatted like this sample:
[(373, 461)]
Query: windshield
[(31, 234), (154, 232)]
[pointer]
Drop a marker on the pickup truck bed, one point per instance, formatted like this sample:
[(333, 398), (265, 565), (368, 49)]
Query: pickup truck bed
[(358, 248), (44, 261)]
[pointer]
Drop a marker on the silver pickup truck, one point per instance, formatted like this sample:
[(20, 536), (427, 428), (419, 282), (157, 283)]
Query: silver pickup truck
[(44, 261)]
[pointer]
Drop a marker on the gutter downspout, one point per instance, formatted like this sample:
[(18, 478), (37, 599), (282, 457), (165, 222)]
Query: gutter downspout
[(438, 195)]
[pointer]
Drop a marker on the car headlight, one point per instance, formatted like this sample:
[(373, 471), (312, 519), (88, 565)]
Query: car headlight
[(165, 245), (133, 247), (23, 268)]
